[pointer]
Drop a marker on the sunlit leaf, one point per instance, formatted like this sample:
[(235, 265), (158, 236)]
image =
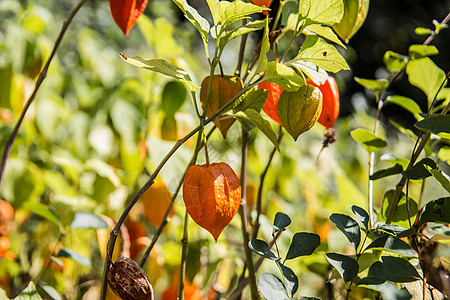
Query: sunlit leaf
[(400, 216), (345, 265), (243, 29), (395, 269), (397, 169), (254, 99), (281, 221), (424, 74), (362, 215), (77, 257), (162, 66), (394, 62), (84, 219), (326, 33), (375, 85), (324, 55), (257, 120), (265, 46), (272, 287), (318, 75), (51, 291), (284, 76), (230, 12), (327, 12), (376, 284), (440, 177), (29, 293), (405, 102), (392, 244), (303, 243), (438, 124), (423, 31), (436, 211), (368, 140), (195, 18), (260, 247), (419, 51), (44, 211), (349, 227), (290, 279)]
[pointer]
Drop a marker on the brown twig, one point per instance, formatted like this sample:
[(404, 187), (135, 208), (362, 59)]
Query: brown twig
[(42, 75)]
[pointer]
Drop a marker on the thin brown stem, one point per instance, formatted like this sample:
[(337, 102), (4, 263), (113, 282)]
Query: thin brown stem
[(433, 35), (42, 75), (184, 253)]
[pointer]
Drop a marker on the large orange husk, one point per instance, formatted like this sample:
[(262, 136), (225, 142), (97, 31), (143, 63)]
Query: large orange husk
[(212, 194), (223, 89)]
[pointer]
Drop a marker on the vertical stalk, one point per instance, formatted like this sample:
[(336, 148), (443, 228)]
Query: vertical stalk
[(184, 253), (42, 75), (244, 221)]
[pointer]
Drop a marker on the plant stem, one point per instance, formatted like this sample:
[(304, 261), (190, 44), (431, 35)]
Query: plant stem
[(262, 177), (184, 253), (42, 75), (244, 221), (115, 232)]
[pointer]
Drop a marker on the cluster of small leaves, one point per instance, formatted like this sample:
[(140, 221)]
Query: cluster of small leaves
[(302, 244), (365, 269)]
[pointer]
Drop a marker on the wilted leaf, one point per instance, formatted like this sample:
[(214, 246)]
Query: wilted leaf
[(345, 265), (392, 244), (272, 287), (395, 269), (368, 140), (260, 247), (349, 227), (303, 243)]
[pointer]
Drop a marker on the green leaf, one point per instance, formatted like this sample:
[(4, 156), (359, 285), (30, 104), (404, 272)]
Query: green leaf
[(439, 177), (405, 102), (290, 279), (173, 96), (368, 140), (322, 54), (77, 257), (261, 248), (345, 265), (44, 211), (194, 17), (318, 75), (29, 293), (439, 26), (362, 215), (436, 211), (271, 287), (400, 216), (243, 29), (51, 291), (230, 12), (284, 76), (423, 31), (418, 171), (438, 124), (397, 169), (392, 244), (281, 221), (394, 62), (303, 243), (103, 169), (326, 33), (254, 99), (262, 124), (265, 46), (375, 85), (425, 75), (212, 4), (298, 111), (84, 219), (376, 284), (349, 227), (420, 51), (163, 67), (395, 269), (327, 12), (444, 153)]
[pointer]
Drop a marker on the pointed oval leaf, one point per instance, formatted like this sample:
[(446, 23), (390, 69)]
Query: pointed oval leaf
[(419, 51), (362, 215), (419, 171), (262, 124), (400, 215), (438, 125), (260, 247), (45, 211), (271, 287), (368, 140), (172, 97), (424, 74), (440, 177), (195, 18), (405, 102), (436, 211), (230, 12), (392, 244), (376, 284), (281, 221), (303, 243), (290, 279), (375, 85), (284, 76), (397, 169), (126, 12), (84, 219), (51, 291), (349, 227), (72, 254), (395, 269), (345, 265), (327, 12)]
